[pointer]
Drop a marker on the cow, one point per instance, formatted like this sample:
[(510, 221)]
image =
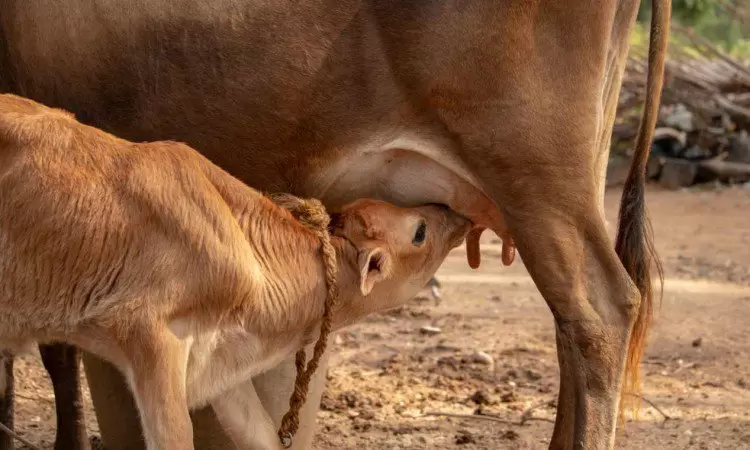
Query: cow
[(187, 280), (502, 110)]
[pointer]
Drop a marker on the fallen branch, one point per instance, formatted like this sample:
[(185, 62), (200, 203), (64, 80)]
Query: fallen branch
[(731, 106), (653, 405), (525, 416), (726, 169), (13, 434), (470, 416)]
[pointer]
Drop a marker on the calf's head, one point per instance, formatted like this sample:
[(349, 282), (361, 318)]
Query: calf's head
[(397, 251)]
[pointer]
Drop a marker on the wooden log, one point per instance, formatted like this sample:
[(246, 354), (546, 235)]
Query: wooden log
[(726, 170)]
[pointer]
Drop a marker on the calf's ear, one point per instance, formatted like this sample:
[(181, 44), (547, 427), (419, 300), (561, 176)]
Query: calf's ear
[(374, 266)]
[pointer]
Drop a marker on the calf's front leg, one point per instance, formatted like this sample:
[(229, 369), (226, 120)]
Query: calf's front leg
[(243, 418), (156, 362), (275, 386)]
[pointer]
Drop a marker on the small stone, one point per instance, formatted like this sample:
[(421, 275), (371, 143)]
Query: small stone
[(509, 397), (430, 331), (481, 397), (328, 404), (348, 398), (697, 343), (483, 358), (402, 430), (742, 383), (533, 375), (511, 435), (464, 437), (512, 384), (338, 340), (352, 413), (361, 425), (496, 298)]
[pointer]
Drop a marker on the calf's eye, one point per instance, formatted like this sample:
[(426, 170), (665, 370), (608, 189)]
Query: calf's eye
[(420, 235)]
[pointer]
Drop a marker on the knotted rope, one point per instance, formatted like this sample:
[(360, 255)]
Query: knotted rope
[(312, 214)]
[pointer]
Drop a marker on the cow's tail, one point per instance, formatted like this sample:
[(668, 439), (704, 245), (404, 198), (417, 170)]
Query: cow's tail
[(634, 243)]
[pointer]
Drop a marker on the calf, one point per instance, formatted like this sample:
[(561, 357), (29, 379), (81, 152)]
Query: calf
[(184, 278)]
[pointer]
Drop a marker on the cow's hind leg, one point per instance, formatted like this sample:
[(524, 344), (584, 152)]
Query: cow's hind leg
[(62, 362), (561, 235), (6, 402)]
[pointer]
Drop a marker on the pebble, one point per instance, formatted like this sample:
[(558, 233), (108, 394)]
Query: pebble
[(533, 375), (483, 358), (464, 437), (509, 397), (430, 331), (698, 342), (481, 397)]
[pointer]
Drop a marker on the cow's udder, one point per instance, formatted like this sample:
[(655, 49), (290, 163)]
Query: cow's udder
[(410, 178)]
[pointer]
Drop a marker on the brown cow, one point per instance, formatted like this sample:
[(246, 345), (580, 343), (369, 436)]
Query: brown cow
[(183, 277), (509, 102)]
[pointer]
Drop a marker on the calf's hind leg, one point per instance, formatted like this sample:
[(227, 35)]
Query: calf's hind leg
[(62, 363)]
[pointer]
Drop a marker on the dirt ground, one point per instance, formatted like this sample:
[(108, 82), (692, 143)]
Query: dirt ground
[(493, 351)]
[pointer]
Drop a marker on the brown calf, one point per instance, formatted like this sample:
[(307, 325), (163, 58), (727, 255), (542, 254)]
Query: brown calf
[(184, 278)]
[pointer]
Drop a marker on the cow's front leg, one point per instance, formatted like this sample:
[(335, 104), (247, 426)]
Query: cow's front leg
[(155, 369), (243, 418), (62, 363)]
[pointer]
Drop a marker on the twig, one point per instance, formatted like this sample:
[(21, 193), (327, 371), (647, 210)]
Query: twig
[(12, 433), (539, 419), (525, 416), (470, 416), (684, 366), (653, 405)]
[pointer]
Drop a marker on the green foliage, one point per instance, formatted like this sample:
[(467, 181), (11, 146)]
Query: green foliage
[(707, 18), (687, 12)]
